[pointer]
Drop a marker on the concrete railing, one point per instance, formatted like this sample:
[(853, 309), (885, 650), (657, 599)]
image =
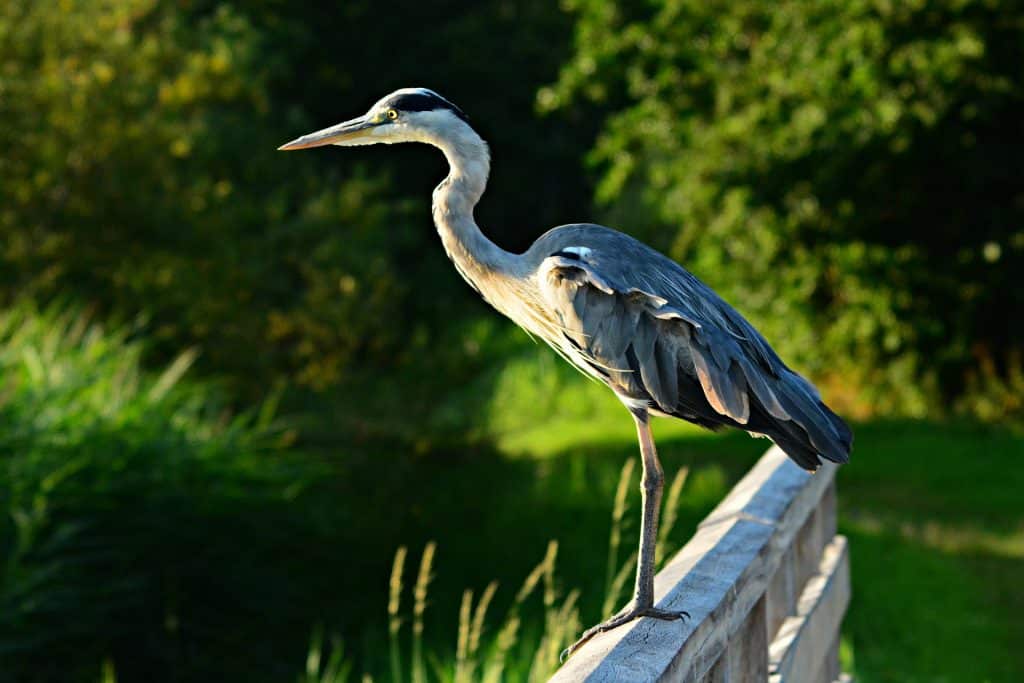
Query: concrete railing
[(766, 581)]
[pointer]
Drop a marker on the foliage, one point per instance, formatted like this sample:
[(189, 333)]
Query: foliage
[(139, 518), (333, 668), (814, 161), (846, 171), (144, 526), (140, 175)]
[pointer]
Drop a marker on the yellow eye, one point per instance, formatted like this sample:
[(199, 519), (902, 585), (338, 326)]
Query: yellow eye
[(391, 114)]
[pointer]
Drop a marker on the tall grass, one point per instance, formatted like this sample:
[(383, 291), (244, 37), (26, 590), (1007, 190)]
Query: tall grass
[(137, 512), (332, 668), (508, 650), (505, 654)]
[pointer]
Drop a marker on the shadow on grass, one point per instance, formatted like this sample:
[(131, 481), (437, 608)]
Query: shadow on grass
[(923, 614), (936, 525)]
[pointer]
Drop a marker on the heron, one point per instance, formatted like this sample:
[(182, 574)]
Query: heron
[(618, 310)]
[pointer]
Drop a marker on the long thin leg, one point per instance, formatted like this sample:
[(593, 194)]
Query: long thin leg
[(651, 485)]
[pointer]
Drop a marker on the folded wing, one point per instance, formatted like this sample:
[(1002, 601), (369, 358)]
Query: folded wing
[(706, 366)]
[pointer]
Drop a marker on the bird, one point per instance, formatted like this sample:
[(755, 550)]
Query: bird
[(618, 310)]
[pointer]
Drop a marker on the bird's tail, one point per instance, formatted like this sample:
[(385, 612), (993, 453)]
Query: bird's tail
[(813, 430)]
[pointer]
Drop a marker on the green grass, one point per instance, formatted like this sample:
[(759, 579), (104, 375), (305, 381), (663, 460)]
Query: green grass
[(935, 517), (932, 512), (147, 533), (542, 407)]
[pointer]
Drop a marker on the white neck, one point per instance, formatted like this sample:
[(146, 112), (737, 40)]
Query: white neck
[(478, 259)]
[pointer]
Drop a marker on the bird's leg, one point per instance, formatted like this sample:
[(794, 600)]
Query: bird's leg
[(651, 485)]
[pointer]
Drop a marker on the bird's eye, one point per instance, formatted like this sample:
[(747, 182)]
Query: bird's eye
[(391, 114)]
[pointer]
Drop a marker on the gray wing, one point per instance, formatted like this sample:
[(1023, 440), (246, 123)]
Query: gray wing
[(655, 333)]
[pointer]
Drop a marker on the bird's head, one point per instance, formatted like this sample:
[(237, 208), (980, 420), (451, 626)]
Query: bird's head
[(407, 115)]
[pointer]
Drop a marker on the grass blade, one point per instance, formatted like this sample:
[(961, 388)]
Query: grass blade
[(419, 607), (394, 620)]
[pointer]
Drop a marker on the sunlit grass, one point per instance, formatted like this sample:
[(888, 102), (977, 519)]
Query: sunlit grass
[(936, 525), (541, 407)]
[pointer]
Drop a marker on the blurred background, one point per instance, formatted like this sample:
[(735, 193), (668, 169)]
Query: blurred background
[(254, 427)]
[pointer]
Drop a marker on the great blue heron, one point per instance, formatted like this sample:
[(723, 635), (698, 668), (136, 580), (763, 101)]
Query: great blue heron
[(621, 312)]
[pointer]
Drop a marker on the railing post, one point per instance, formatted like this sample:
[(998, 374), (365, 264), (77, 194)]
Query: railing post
[(745, 659)]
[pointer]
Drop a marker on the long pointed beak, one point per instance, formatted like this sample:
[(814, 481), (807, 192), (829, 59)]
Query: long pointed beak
[(346, 133)]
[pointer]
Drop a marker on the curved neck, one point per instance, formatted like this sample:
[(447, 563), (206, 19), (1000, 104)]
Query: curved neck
[(478, 259)]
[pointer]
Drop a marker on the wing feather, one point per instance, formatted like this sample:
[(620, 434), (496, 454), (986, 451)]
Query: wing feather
[(644, 347), (655, 333), (666, 354), (620, 327), (763, 392)]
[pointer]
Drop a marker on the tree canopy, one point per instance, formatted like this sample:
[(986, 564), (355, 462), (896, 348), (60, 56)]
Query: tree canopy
[(847, 172)]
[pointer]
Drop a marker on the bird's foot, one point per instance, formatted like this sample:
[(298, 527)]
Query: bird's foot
[(632, 611)]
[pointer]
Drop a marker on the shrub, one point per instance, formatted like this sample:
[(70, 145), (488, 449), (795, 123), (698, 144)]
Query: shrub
[(141, 521), (846, 172)]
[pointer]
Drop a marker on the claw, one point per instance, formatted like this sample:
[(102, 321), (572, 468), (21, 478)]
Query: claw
[(624, 617)]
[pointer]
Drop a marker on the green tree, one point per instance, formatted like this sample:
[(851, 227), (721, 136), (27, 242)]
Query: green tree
[(140, 174), (846, 172)]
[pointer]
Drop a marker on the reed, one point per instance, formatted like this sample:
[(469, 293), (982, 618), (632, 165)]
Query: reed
[(513, 653)]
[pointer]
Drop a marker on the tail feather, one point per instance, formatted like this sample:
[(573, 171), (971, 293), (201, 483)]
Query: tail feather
[(793, 441), (813, 430), (794, 418)]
